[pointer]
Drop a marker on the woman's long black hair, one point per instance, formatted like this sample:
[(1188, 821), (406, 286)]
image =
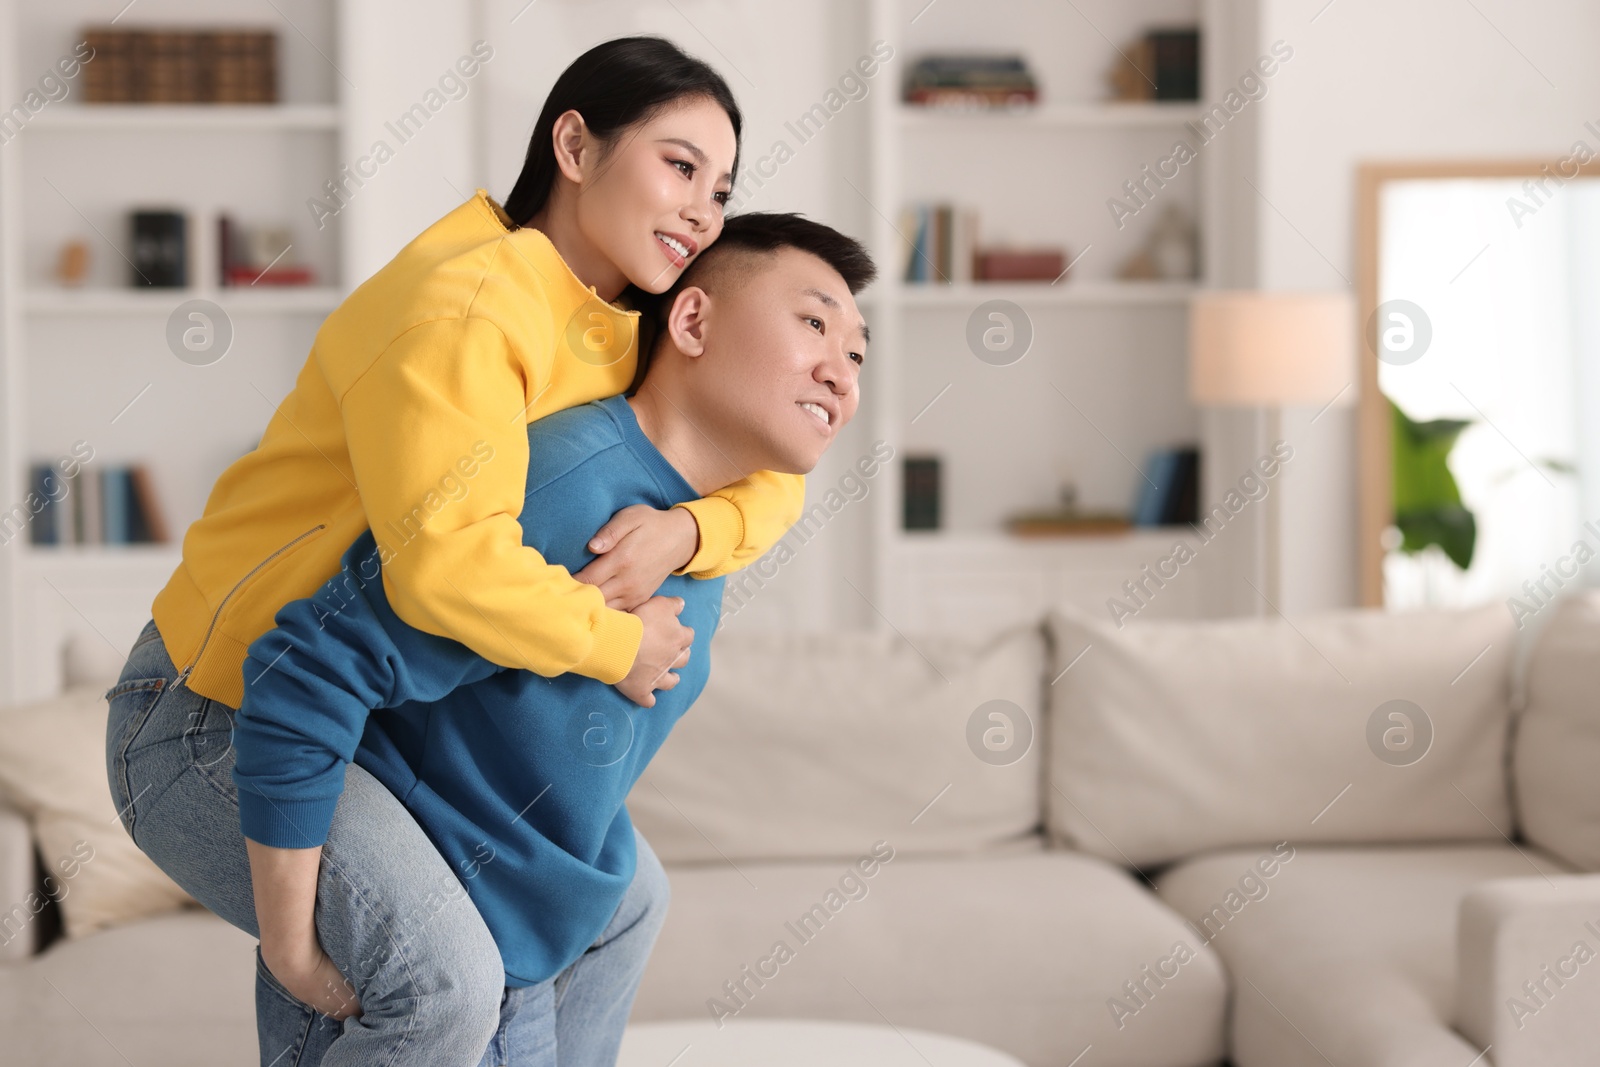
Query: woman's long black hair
[(616, 85)]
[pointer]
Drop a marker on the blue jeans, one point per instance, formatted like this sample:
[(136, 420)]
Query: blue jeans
[(391, 914)]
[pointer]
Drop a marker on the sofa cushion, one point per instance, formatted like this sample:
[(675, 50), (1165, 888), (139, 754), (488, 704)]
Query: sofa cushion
[(1022, 952), (1171, 738), (1340, 936), (178, 990), (53, 769), (1557, 752), (808, 744)]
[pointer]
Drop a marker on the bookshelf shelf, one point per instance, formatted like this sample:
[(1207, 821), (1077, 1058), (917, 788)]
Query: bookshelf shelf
[(240, 300), (49, 558), (1037, 177), (198, 118), (965, 296), (73, 174), (1106, 115), (987, 542)]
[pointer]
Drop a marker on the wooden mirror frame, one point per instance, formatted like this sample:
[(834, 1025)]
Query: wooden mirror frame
[(1374, 462)]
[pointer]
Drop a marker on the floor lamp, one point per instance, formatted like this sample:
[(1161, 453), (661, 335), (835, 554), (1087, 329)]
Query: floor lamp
[(1269, 351)]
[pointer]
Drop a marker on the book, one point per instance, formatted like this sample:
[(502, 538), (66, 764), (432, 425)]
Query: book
[(46, 483), (149, 523), (279, 275), (1175, 55), (1182, 501), (115, 492), (169, 67), (1148, 504), (1169, 492), (920, 509), (1020, 265)]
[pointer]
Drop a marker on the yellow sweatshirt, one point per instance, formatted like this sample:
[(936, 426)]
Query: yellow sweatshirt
[(410, 417)]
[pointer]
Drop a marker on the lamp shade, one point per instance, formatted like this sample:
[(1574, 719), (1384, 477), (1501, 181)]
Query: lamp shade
[(1268, 349)]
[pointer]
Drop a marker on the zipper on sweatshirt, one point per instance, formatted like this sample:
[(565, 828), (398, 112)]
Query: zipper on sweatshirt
[(183, 675)]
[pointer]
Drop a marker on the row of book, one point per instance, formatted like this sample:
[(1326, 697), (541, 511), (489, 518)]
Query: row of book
[(944, 242), (972, 81), (943, 248), (95, 506), (181, 67), (1169, 492)]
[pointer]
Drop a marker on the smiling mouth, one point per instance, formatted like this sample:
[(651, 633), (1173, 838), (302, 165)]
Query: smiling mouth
[(677, 251), (819, 412)]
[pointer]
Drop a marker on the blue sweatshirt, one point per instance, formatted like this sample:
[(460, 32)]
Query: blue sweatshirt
[(518, 779)]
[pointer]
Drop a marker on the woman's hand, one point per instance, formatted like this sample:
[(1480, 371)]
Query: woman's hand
[(311, 978), (636, 551)]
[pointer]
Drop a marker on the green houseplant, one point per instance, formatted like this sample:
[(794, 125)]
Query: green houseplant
[(1427, 501)]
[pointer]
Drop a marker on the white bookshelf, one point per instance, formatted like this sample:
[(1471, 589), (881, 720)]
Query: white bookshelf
[(92, 363), (1104, 381)]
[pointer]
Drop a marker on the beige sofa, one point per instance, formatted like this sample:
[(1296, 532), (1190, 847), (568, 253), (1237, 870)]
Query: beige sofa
[(1355, 838)]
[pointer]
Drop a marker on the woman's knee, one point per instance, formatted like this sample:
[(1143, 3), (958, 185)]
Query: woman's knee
[(442, 979)]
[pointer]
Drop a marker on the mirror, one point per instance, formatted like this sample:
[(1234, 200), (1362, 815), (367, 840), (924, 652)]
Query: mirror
[(1479, 476)]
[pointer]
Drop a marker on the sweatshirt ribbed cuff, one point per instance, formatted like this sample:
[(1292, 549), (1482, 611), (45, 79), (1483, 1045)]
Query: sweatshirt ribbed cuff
[(721, 531), (286, 823), (617, 636)]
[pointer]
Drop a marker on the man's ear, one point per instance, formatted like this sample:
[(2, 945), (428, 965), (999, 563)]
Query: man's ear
[(571, 141), (687, 321)]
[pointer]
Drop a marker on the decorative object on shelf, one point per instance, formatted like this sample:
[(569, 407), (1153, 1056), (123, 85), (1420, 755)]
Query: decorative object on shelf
[(165, 66), (258, 255), (96, 506), (921, 511), (971, 81), (1164, 64), (1020, 264), (1172, 245), (1169, 491), (944, 240), (160, 249), (1067, 522), (1168, 254), (72, 264), (1271, 350)]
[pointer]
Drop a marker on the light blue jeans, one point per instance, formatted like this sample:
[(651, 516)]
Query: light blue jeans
[(391, 914)]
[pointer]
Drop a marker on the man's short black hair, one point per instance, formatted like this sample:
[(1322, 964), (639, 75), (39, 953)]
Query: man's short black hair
[(761, 233)]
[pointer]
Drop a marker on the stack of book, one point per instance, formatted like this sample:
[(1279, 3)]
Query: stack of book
[(971, 82), (96, 506), (181, 67), (943, 243), (1169, 492)]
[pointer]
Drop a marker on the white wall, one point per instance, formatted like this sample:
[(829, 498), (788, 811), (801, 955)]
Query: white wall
[(1378, 80)]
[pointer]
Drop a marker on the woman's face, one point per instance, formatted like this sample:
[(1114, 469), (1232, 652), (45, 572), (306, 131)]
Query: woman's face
[(655, 199)]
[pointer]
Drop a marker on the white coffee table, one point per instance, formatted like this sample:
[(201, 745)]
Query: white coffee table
[(798, 1043)]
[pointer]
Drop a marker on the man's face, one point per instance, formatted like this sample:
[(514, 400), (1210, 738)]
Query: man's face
[(785, 346)]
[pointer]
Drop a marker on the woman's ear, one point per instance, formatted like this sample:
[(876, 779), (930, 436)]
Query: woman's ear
[(686, 321), (570, 140)]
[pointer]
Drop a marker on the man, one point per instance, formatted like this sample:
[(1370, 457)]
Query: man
[(519, 780)]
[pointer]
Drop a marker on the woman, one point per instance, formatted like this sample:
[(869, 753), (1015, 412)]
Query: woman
[(409, 419)]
